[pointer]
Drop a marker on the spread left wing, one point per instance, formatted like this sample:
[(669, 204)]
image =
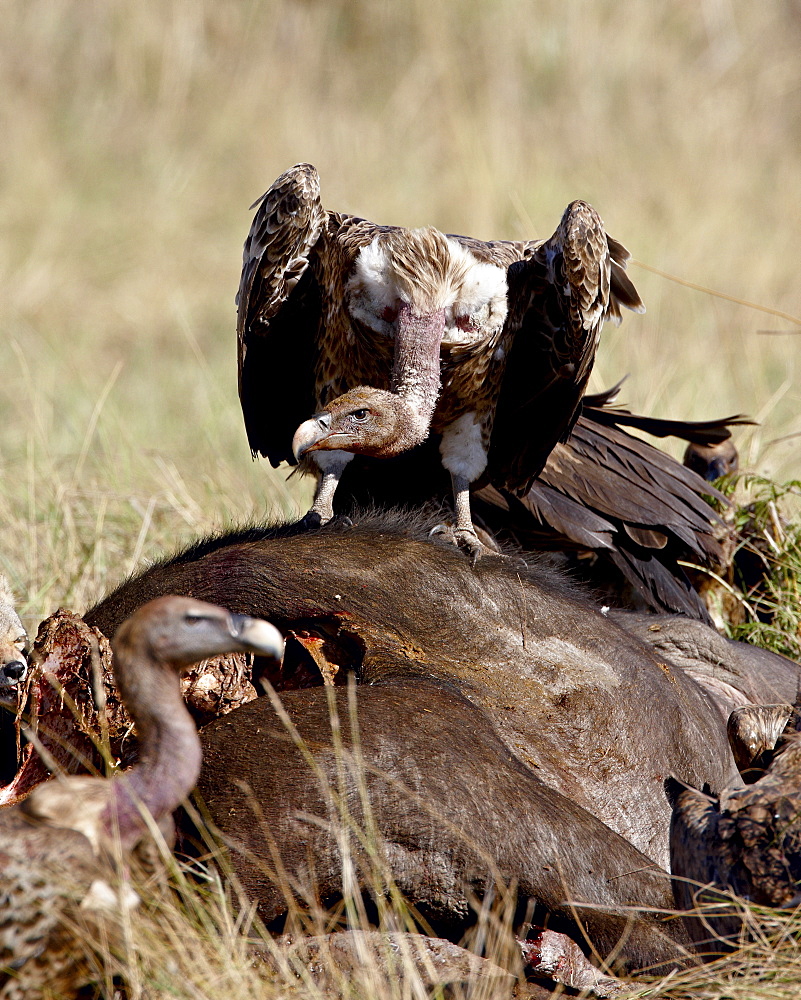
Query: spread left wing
[(560, 294)]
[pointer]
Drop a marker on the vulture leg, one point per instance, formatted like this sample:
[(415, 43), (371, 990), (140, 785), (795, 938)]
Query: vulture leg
[(331, 464), (461, 502), (464, 533)]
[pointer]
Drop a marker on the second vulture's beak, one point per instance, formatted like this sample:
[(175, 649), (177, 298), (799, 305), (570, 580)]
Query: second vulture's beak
[(258, 636), (311, 434)]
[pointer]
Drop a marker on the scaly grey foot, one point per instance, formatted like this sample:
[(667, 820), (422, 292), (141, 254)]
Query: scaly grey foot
[(312, 519), (468, 540)]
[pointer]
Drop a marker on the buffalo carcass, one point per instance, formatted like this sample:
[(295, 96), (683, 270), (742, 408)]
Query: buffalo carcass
[(597, 714), (452, 657), (452, 808)]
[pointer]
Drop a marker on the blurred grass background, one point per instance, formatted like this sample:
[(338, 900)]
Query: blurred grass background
[(135, 135)]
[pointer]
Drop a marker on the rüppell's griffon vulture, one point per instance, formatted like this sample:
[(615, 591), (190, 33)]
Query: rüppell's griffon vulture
[(487, 344)]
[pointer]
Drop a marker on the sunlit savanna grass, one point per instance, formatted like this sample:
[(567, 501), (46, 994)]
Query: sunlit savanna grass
[(135, 135), (203, 940)]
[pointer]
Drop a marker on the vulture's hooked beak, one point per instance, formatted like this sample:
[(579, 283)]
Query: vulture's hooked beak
[(258, 636), (313, 434)]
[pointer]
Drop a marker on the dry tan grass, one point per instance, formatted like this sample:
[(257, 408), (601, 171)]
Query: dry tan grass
[(202, 941), (196, 936)]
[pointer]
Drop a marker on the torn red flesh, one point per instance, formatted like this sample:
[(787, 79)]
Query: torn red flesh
[(555, 956)]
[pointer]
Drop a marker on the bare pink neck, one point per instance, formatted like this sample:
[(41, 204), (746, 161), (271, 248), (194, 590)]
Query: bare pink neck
[(170, 756), (415, 369)]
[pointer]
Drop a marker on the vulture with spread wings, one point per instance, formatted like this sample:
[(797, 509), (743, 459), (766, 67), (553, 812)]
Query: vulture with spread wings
[(391, 334)]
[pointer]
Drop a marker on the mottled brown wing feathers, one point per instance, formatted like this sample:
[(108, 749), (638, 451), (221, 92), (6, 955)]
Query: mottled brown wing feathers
[(560, 293), (287, 224), (586, 265), (278, 313)]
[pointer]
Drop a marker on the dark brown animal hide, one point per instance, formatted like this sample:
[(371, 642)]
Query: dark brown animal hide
[(597, 714), (422, 794)]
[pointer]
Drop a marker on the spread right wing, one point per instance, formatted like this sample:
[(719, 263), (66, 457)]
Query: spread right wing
[(278, 312)]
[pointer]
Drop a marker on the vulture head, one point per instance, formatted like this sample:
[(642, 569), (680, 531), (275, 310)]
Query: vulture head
[(712, 460), (59, 847), (364, 421)]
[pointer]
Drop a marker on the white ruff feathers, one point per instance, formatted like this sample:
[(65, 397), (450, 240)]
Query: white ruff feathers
[(430, 272)]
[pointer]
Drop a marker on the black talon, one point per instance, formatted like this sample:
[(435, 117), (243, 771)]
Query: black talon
[(309, 522)]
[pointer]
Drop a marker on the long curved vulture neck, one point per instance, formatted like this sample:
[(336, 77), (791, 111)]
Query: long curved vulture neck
[(170, 757), (416, 369)]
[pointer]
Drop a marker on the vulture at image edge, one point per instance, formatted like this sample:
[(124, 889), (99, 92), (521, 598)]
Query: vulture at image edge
[(487, 344)]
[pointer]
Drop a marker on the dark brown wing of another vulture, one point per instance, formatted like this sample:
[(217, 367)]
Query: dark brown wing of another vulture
[(556, 337), (701, 432), (609, 492), (278, 312)]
